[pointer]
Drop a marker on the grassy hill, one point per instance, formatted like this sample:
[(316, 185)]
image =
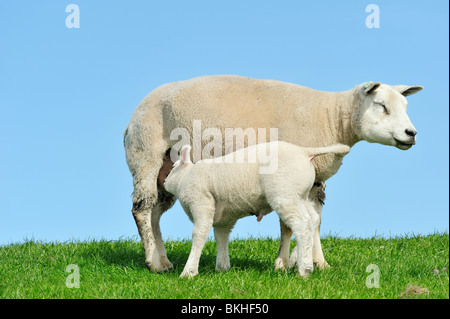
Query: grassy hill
[(409, 267)]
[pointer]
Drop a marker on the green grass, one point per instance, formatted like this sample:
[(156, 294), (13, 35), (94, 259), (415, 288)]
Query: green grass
[(115, 269)]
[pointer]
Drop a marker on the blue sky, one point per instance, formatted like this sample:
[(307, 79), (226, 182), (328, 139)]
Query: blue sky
[(66, 96)]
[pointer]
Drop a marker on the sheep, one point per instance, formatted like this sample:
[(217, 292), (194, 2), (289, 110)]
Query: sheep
[(218, 192), (370, 111)]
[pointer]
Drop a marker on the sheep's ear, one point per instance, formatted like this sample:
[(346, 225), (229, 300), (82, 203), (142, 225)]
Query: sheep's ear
[(407, 90), (370, 87), (186, 154)]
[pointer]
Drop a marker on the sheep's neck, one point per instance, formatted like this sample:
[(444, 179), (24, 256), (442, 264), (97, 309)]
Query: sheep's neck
[(344, 106), (324, 119), (329, 122)]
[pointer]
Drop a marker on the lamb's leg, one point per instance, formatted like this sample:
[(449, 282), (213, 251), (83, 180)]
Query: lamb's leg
[(282, 261), (203, 219), (318, 258), (316, 198), (221, 234), (298, 219)]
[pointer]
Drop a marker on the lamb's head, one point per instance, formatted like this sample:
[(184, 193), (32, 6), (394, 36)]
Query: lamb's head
[(181, 167), (380, 115)]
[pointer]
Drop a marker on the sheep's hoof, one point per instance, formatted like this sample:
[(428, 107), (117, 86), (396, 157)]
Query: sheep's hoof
[(281, 264), (163, 266), (151, 267), (326, 266), (166, 264), (322, 265)]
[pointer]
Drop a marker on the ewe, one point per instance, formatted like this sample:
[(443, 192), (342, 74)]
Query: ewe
[(373, 112)]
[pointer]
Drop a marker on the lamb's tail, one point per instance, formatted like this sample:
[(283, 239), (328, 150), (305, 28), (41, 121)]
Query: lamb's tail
[(185, 154), (336, 149)]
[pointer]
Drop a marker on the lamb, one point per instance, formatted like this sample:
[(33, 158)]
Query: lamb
[(370, 111), (216, 193)]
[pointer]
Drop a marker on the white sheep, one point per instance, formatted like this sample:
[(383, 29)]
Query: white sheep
[(373, 112), (216, 193)]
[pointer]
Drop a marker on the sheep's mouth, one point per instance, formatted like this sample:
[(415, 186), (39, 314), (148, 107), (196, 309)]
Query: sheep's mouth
[(402, 145)]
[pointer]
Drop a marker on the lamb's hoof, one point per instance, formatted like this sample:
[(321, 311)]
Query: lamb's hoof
[(304, 273), (281, 264)]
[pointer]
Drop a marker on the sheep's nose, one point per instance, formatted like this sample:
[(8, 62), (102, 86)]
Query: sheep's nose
[(411, 133)]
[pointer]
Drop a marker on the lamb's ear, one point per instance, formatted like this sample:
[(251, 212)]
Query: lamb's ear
[(185, 154), (370, 87), (407, 90)]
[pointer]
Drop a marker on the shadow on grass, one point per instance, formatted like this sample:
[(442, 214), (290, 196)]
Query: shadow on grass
[(130, 255), (122, 254), (207, 263)]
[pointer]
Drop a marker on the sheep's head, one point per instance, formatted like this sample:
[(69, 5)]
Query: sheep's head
[(380, 114)]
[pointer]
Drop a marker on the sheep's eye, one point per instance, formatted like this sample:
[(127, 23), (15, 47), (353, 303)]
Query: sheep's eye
[(384, 108)]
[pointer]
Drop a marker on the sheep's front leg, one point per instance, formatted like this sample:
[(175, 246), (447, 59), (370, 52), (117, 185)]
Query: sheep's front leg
[(318, 259), (203, 220), (282, 261), (221, 234)]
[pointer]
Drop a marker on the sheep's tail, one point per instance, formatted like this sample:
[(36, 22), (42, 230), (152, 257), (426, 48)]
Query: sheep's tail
[(336, 149)]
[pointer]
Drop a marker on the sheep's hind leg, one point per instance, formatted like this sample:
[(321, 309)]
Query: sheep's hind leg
[(221, 235), (142, 213), (147, 210), (145, 161), (165, 202)]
